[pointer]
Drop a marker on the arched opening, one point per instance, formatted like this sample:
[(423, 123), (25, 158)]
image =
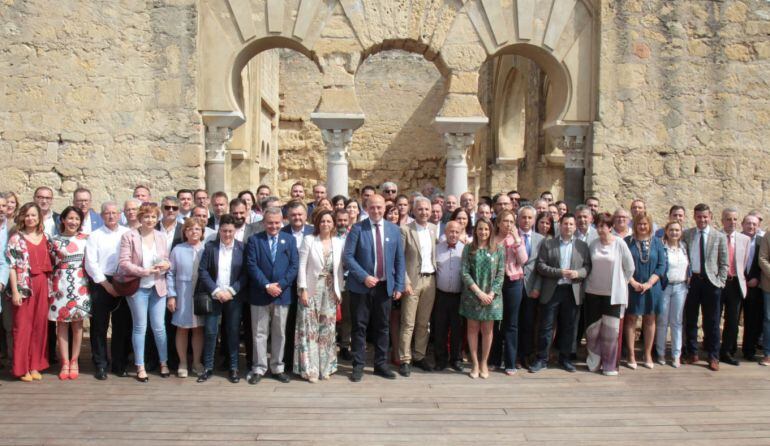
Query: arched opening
[(400, 93), (524, 90), (273, 73)]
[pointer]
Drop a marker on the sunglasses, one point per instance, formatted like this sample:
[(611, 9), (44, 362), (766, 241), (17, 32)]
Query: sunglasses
[(171, 208), (389, 191)]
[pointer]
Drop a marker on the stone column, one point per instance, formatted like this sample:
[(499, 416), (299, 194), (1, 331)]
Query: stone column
[(337, 133), (216, 140), (574, 169), (456, 162)]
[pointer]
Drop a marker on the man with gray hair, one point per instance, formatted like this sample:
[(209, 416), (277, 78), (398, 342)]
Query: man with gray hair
[(389, 191), (735, 289), (419, 239), (583, 220), (541, 205), (101, 264)]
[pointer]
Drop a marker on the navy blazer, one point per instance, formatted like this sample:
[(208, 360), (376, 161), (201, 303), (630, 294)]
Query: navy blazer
[(262, 270), (359, 254), (208, 269), (307, 230)]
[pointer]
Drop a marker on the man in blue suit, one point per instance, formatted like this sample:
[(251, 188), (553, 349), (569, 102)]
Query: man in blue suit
[(272, 263), (92, 221), (374, 257), (298, 228)]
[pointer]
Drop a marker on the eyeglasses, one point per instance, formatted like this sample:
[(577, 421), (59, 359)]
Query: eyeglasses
[(171, 208), (389, 191)]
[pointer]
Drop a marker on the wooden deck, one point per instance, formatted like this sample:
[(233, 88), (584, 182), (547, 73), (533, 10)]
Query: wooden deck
[(688, 405)]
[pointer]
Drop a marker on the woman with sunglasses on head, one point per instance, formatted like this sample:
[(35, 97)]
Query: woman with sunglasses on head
[(72, 300)]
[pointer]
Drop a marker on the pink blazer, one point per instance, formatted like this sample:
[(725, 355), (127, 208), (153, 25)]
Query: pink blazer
[(130, 263)]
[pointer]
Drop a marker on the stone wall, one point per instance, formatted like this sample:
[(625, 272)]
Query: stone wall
[(684, 104), (400, 94), (99, 94)]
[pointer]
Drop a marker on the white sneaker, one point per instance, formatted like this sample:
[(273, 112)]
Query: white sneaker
[(610, 373)]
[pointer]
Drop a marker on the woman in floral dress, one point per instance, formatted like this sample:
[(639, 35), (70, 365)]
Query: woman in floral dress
[(483, 270), (71, 300), (319, 283)]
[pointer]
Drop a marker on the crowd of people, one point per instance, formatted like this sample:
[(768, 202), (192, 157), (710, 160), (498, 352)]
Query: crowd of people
[(430, 281)]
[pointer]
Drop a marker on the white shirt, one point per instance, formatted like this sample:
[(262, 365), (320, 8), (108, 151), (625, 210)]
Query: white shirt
[(148, 260), (86, 227), (103, 252), (169, 233), (240, 232), (298, 236), (677, 264), (181, 216), (374, 241), (426, 250), (49, 225), (695, 249), (225, 267)]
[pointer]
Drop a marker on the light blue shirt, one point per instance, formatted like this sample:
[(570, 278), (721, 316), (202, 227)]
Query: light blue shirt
[(565, 257), (695, 249)]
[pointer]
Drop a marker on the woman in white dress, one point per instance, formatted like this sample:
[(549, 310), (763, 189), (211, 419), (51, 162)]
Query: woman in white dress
[(181, 279)]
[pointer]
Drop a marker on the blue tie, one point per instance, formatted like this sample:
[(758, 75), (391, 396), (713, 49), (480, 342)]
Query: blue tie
[(273, 247), (526, 243)]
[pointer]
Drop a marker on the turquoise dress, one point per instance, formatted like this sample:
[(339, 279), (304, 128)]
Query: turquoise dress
[(487, 271)]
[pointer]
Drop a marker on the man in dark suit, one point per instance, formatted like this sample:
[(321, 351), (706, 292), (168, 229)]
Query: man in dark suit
[(374, 257), (219, 207), (298, 228), (532, 239), (272, 263), (753, 306), (92, 221), (707, 249), (563, 263), (222, 275)]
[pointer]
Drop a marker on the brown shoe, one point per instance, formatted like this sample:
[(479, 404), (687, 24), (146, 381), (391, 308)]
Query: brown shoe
[(765, 361), (692, 359), (713, 365)]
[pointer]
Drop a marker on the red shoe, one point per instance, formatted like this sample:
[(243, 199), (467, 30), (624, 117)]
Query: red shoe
[(65, 371), (74, 370)]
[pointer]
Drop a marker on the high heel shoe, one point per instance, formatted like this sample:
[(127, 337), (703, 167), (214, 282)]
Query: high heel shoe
[(139, 372), (474, 373), (64, 374), (27, 378), (484, 374), (36, 375), (74, 369), (164, 371)]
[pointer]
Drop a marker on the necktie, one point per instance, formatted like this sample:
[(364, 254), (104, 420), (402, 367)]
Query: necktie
[(526, 243), (702, 252), (273, 247), (378, 252), (731, 255)]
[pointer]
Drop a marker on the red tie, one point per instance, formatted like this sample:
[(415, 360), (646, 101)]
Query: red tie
[(378, 252)]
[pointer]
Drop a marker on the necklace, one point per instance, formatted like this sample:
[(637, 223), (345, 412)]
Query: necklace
[(644, 250)]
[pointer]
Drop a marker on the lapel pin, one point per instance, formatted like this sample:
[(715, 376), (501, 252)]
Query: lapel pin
[(387, 239), (283, 241)]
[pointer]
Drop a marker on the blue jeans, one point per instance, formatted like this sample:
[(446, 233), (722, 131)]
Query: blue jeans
[(512, 294), (670, 316), (146, 301), (766, 325)]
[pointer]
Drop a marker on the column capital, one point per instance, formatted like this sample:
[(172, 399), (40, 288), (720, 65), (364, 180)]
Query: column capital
[(457, 147), (337, 143), (216, 143), (574, 153)]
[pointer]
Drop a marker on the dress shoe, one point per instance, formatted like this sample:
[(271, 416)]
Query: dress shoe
[(423, 364), (567, 365), (537, 366), (713, 365), (121, 373), (101, 374), (729, 359), (440, 366), (345, 354), (357, 375), (692, 359), (233, 377), (281, 377), (385, 373), (203, 377), (457, 366), (765, 361), (254, 378), (405, 370)]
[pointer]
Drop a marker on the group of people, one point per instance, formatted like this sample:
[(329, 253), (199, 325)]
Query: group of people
[(499, 282)]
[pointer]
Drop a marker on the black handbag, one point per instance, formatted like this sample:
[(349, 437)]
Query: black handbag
[(202, 303)]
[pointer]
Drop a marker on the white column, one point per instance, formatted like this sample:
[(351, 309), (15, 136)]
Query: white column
[(216, 144), (456, 162), (337, 143)]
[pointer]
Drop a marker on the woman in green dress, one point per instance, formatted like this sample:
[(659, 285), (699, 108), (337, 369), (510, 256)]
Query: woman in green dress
[(483, 268)]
